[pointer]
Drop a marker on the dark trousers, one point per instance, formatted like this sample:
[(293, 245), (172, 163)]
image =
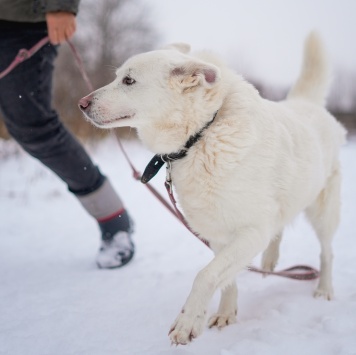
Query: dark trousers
[(25, 100)]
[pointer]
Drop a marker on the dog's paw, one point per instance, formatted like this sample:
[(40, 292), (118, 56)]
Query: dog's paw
[(324, 293), (186, 328), (222, 320)]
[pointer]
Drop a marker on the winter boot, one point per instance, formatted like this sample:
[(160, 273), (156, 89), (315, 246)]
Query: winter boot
[(117, 247)]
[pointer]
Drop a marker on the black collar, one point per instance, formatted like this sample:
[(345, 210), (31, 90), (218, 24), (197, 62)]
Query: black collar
[(158, 160)]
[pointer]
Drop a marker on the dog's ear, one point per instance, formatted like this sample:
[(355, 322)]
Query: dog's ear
[(180, 47), (194, 74)]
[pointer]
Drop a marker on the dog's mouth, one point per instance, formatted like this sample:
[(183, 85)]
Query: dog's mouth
[(111, 121)]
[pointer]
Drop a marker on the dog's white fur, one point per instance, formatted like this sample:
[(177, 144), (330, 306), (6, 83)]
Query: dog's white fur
[(253, 171)]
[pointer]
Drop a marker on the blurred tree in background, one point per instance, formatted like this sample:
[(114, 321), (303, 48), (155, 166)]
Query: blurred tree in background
[(108, 33), (341, 101)]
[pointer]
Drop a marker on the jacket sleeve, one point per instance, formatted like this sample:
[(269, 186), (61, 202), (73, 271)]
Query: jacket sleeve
[(62, 5)]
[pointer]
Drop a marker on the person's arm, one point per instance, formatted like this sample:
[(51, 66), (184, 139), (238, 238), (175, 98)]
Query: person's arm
[(60, 18), (61, 26)]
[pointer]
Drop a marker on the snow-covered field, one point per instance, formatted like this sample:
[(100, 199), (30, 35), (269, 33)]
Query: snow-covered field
[(54, 301)]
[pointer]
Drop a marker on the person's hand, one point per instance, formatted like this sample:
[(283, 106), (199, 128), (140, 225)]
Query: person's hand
[(61, 26)]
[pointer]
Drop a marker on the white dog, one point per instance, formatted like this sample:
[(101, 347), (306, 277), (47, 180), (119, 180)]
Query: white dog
[(249, 168)]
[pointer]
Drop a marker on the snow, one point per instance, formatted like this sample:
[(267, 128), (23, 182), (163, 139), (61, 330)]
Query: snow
[(54, 301)]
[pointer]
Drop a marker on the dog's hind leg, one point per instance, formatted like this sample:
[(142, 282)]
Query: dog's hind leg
[(323, 215), (227, 309), (271, 254)]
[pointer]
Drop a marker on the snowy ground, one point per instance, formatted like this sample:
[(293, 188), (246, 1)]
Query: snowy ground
[(54, 301)]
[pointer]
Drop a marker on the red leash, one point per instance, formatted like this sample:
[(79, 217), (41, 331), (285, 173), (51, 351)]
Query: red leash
[(137, 176), (24, 54), (306, 272), (168, 184)]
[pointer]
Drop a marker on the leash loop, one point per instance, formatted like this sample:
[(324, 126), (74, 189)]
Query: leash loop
[(23, 55), (305, 273)]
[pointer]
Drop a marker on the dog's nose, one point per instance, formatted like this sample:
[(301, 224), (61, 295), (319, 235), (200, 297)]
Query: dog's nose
[(85, 102)]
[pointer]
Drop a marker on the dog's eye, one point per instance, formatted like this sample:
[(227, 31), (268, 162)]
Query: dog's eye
[(128, 80)]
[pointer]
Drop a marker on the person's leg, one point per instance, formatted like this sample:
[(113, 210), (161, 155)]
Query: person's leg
[(116, 227), (25, 99)]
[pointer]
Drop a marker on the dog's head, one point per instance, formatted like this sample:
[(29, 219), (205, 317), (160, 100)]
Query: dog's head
[(164, 94)]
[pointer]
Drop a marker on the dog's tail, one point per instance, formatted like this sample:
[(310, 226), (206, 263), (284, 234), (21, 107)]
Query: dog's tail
[(314, 79)]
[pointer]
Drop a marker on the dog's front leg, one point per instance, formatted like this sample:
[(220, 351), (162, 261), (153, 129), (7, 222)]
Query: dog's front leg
[(227, 309), (191, 321), (223, 268)]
